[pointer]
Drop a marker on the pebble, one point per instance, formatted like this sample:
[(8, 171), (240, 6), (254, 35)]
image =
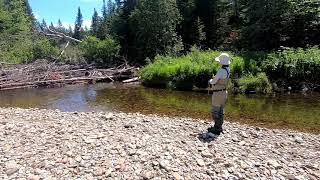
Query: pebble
[(33, 177), (201, 162), (99, 171), (274, 163), (11, 167), (165, 164), (298, 139), (206, 154), (241, 143), (176, 176), (49, 144)]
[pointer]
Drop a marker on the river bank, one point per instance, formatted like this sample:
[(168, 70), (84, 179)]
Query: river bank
[(62, 145)]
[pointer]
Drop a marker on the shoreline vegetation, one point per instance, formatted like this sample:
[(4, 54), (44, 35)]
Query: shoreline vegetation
[(165, 34), (289, 69), (39, 143)]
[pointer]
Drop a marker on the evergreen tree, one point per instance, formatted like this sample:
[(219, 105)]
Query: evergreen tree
[(43, 25), (78, 25), (154, 24), (121, 28), (191, 27), (95, 22), (52, 26), (110, 7), (60, 27), (198, 35), (70, 31), (4, 17), (30, 13), (263, 30), (20, 21), (104, 10)]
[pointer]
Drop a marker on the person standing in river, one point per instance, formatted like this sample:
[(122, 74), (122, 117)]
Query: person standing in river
[(219, 84)]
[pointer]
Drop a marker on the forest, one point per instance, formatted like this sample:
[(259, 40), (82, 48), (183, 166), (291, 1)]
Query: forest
[(269, 36)]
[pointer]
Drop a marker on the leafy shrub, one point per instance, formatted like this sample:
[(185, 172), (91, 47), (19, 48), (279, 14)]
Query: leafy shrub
[(195, 68), (102, 52), (294, 65), (42, 48), (259, 83), (23, 49), (73, 55)]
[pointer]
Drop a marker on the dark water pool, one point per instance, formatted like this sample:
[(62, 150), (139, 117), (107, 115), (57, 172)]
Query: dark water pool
[(294, 111)]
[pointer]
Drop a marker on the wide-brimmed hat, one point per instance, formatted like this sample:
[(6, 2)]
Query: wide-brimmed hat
[(224, 59)]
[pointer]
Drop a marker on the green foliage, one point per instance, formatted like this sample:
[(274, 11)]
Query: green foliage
[(194, 68), (25, 49), (191, 27), (42, 48), (78, 29), (18, 43), (15, 17), (259, 83), (102, 52), (294, 65), (73, 55), (154, 27), (95, 23)]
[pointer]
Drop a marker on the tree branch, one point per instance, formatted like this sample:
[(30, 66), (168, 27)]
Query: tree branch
[(59, 35)]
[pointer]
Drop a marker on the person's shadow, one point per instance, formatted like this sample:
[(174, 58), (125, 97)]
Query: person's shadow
[(206, 137)]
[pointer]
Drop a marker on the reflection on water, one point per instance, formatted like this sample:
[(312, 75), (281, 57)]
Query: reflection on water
[(281, 111)]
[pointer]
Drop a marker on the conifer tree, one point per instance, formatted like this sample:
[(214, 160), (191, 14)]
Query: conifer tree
[(30, 13), (110, 7), (95, 22), (70, 31), (60, 27), (104, 10), (43, 25), (52, 26), (78, 25), (154, 25)]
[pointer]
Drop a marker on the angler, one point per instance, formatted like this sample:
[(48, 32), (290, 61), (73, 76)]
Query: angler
[(219, 84)]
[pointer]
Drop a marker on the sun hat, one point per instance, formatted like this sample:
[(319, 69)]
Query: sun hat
[(224, 59)]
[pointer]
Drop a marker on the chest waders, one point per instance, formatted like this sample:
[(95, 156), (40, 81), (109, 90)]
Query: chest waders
[(219, 98)]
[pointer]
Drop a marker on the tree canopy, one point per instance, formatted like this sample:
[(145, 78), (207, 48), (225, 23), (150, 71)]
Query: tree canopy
[(144, 29)]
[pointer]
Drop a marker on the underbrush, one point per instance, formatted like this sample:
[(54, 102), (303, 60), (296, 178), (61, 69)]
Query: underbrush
[(299, 65), (26, 48), (251, 72), (195, 68), (257, 84)]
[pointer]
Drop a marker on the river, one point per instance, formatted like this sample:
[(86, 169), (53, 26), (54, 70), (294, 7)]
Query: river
[(294, 111)]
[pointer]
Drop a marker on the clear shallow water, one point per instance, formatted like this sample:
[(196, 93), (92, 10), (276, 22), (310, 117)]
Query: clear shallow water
[(295, 111)]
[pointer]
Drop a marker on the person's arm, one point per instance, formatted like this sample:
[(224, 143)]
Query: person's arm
[(216, 78)]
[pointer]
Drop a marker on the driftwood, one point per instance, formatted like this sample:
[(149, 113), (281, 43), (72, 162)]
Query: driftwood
[(44, 74), (131, 80), (51, 33), (63, 50)]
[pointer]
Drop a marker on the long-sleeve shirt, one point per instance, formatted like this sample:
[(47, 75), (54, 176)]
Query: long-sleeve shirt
[(221, 74)]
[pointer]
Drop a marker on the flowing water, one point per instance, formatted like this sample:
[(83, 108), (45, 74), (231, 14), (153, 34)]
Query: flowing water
[(294, 111)]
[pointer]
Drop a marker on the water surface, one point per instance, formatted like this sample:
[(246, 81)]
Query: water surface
[(294, 111)]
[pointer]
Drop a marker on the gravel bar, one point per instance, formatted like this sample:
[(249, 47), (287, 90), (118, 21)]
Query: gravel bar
[(50, 144)]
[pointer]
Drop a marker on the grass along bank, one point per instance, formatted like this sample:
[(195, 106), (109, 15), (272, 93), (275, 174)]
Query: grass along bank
[(250, 71)]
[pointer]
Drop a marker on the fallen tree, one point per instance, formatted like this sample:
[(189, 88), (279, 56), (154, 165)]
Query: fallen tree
[(42, 73)]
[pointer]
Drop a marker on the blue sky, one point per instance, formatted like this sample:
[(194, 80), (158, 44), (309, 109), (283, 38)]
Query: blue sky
[(66, 10)]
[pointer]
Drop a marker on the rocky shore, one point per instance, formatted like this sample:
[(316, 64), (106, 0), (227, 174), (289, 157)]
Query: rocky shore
[(47, 144)]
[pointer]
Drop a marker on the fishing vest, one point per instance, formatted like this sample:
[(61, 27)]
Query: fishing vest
[(222, 84)]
